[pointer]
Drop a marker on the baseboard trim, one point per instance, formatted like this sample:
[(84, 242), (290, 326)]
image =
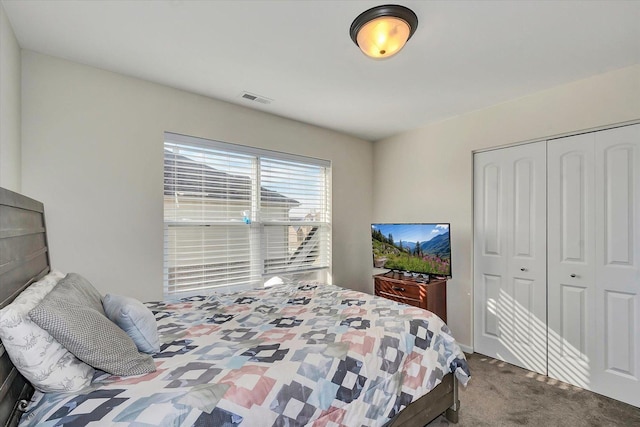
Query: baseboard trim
[(465, 348)]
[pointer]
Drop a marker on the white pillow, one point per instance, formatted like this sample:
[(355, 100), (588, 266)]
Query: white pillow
[(36, 354)]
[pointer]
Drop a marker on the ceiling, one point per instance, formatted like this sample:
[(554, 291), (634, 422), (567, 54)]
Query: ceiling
[(464, 56)]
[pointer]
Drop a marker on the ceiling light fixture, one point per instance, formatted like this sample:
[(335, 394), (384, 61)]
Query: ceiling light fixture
[(382, 31)]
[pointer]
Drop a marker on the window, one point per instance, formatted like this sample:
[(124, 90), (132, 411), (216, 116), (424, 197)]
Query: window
[(237, 216)]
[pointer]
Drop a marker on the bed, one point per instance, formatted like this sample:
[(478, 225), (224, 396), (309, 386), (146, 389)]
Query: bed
[(300, 353)]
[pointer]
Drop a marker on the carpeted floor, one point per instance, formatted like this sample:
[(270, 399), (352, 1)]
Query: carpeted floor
[(500, 394)]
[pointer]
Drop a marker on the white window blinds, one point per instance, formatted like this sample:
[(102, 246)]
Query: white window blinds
[(236, 216), (296, 238)]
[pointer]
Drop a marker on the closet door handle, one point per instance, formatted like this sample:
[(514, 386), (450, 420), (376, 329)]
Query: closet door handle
[(573, 275)]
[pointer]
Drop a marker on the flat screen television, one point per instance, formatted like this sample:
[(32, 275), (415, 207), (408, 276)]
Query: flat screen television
[(413, 248)]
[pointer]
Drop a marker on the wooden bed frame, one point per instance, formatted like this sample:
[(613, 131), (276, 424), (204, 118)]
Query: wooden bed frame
[(24, 259), (442, 399)]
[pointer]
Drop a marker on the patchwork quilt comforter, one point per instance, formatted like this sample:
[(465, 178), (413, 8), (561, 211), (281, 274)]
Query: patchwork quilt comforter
[(292, 355)]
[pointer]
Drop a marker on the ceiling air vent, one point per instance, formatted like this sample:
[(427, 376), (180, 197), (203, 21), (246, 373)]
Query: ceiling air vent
[(256, 98)]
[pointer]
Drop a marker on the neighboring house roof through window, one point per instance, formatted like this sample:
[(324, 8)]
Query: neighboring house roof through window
[(178, 178)]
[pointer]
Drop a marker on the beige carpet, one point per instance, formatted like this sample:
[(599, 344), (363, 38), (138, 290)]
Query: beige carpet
[(500, 394)]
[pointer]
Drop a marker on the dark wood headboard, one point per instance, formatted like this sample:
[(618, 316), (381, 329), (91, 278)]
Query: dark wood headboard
[(24, 259)]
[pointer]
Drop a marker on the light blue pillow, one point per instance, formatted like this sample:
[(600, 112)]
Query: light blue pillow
[(135, 319)]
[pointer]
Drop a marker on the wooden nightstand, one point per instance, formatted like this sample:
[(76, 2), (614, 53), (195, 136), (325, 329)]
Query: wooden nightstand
[(431, 296)]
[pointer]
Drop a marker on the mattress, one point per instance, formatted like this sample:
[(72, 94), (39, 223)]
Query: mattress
[(291, 355)]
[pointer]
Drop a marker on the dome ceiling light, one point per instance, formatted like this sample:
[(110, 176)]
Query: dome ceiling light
[(382, 31)]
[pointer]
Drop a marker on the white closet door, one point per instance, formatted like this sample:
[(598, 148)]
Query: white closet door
[(594, 261), (617, 264), (509, 255), (571, 237)]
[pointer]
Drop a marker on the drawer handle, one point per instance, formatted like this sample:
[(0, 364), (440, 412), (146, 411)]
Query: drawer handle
[(398, 288)]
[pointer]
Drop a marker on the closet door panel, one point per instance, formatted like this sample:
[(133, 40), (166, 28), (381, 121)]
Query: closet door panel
[(571, 237), (491, 279), (616, 174), (573, 209), (620, 319), (492, 234), (523, 309), (573, 326), (523, 210), (617, 281), (492, 313), (509, 260)]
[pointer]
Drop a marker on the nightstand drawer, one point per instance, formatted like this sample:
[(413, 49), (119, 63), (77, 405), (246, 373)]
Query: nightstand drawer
[(397, 298), (405, 290)]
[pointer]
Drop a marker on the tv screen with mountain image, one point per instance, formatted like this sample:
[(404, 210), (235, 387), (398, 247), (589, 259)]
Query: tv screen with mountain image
[(416, 248)]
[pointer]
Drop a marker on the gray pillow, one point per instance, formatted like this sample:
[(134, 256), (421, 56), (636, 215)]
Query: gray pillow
[(135, 319), (72, 313)]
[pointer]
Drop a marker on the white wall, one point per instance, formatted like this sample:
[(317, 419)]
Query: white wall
[(10, 174), (92, 151), (425, 175)]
